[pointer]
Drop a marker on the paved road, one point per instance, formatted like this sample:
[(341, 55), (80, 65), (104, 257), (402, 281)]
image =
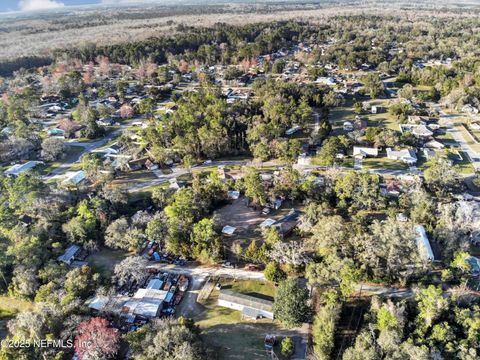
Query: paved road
[(458, 136)]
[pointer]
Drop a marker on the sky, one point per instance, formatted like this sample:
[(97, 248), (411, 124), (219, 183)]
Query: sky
[(30, 5)]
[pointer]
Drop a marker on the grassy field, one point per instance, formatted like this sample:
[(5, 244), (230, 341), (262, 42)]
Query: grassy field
[(105, 260), (232, 336), (383, 163), (134, 177), (8, 308)]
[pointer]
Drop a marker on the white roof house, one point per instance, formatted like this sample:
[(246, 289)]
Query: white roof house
[(434, 144), (74, 177), (423, 243), (364, 151), (422, 131), (325, 80), (18, 169), (406, 155)]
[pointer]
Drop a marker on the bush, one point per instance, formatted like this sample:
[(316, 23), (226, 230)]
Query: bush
[(288, 347), (273, 273)]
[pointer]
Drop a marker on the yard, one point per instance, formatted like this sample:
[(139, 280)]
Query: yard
[(105, 260), (134, 177), (235, 338), (383, 163)]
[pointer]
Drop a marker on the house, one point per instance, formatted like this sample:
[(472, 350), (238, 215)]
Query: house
[(137, 164), (406, 155), (74, 177), (69, 256), (415, 119), (434, 144), (376, 109), (251, 307), (422, 131), (363, 152), (18, 169), (423, 244), (330, 81), (97, 303), (70, 128), (286, 224)]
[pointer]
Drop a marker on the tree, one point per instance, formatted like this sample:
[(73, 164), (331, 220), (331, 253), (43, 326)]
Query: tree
[(431, 304), (373, 85), (359, 189), (207, 243), (131, 268), (96, 340), (288, 347), (323, 330), (290, 306), (115, 234), (167, 339), (271, 235), (126, 111), (274, 273), (292, 253), (53, 149), (254, 188), (441, 177)]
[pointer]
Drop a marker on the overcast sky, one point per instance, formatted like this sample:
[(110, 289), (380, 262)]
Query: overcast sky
[(30, 5)]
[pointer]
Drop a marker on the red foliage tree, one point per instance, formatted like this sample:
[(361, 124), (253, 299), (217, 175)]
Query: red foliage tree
[(96, 339), (126, 111)]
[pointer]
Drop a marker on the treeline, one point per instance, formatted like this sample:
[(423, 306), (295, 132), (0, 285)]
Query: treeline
[(208, 45), (8, 67)]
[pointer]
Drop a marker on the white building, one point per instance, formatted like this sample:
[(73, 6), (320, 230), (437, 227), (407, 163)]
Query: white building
[(250, 306), (75, 177), (406, 155), (18, 169), (359, 151), (424, 248)]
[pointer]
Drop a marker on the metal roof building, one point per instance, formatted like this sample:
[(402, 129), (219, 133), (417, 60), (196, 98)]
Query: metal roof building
[(250, 306)]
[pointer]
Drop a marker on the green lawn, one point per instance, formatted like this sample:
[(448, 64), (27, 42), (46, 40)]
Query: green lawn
[(230, 335), (105, 260), (383, 163), (72, 150)]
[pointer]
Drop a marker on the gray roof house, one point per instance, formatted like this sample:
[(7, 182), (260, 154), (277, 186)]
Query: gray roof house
[(251, 307)]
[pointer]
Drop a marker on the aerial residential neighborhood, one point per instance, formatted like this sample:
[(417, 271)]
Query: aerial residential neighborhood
[(240, 181)]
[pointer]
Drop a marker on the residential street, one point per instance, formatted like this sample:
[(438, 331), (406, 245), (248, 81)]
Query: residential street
[(458, 136)]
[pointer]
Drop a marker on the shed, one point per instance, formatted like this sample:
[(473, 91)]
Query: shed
[(228, 230)]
